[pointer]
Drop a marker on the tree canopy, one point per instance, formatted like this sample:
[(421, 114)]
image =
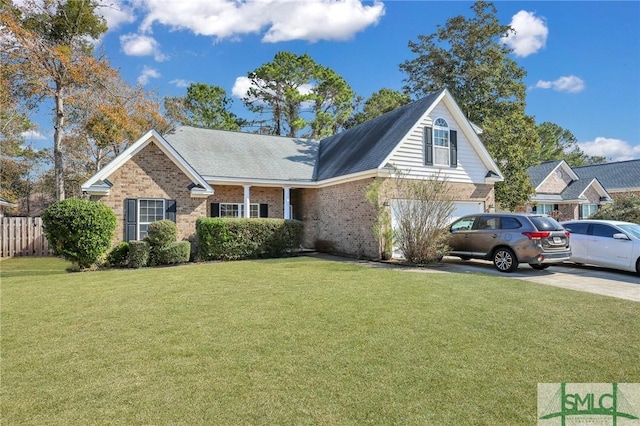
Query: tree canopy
[(293, 87), (48, 53), (203, 106), (468, 57)]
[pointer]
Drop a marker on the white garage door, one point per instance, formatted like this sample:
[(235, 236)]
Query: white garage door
[(460, 208)]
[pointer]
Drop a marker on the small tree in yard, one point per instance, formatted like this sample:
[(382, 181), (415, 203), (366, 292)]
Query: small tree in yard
[(422, 209), (79, 230)]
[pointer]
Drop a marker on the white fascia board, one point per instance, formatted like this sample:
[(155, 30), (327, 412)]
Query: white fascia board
[(471, 134), (136, 147), (469, 129), (223, 180), (595, 183)]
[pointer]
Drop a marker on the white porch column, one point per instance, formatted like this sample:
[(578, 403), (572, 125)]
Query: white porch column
[(287, 202), (247, 200)]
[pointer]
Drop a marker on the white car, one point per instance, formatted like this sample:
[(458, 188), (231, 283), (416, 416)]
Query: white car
[(607, 243)]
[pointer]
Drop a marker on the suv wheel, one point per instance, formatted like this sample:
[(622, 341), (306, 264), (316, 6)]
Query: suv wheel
[(504, 260)]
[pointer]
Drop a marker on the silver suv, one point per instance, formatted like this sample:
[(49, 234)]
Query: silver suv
[(509, 239)]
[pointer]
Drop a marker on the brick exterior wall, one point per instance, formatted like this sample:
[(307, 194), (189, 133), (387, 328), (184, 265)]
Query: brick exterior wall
[(151, 174), (553, 184), (337, 215), (341, 216)]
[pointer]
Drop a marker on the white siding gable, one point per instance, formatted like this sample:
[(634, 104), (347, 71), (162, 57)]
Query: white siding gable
[(409, 156)]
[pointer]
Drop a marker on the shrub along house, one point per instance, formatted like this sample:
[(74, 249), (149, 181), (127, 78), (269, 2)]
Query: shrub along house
[(192, 173)]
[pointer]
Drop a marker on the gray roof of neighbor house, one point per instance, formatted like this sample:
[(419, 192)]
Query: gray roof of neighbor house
[(575, 188), (244, 155), (539, 173), (365, 146), (618, 176)]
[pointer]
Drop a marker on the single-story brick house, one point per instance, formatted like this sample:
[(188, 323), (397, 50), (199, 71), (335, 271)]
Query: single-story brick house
[(567, 192), (618, 178), (191, 173)]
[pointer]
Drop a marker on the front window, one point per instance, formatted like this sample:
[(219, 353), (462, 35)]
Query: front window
[(588, 209), (544, 209), (149, 211), (237, 210), (441, 153)]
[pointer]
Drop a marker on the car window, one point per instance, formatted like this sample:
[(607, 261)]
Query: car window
[(632, 229), (487, 222), (546, 223), (510, 223), (463, 224), (601, 230), (577, 228)]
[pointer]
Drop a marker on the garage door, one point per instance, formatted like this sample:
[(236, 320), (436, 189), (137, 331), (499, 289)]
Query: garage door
[(460, 208)]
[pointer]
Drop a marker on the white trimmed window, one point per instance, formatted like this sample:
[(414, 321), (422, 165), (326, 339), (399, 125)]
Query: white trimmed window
[(237, 210), (441, 154), (140, 212), (587, 210), (545, 208), (149, 211)]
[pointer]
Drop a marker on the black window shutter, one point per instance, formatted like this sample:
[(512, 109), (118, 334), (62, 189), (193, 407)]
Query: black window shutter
[(580, 212), (171, 210), (453, 148), (428, 146), (555, 207), (264, 210), (215, 209), (131, 215)]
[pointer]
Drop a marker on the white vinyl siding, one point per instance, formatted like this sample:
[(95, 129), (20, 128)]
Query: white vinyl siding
[(409, 155)]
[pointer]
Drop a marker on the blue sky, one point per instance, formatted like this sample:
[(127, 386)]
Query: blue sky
[(582, 58)]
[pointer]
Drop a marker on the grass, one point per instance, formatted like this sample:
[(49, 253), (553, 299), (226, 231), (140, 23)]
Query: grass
[(296, 341)]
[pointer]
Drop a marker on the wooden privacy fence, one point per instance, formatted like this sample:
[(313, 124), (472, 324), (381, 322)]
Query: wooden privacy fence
[(23, 236)]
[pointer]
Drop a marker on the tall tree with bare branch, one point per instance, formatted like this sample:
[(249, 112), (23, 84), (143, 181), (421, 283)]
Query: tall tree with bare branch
[(48, 46)]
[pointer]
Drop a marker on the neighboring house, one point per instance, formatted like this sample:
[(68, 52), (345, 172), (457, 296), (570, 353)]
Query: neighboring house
[(618, 178), (561, 191), (192, 173)]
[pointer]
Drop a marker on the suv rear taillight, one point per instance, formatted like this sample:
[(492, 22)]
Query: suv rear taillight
[(567, 233), (538, 235)]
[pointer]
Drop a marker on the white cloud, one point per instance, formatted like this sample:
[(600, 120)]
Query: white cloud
[(147, 74), (242, 85), (141, 45), (570, 84), (34, 135), (310, 20), (615, 149), (116, 14), (178, 82), (530, 34)]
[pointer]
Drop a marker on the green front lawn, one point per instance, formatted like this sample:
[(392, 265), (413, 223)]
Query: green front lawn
[(296, 341)]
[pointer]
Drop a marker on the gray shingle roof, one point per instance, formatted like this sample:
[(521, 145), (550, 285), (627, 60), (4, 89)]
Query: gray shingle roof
[(613, 176), (227, 154), (539, 173), (575, 188), (365, 146)]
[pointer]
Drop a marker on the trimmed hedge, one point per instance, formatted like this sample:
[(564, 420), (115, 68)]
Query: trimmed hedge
[(174, 253), (232, 239), (119, 255), (138, 254)]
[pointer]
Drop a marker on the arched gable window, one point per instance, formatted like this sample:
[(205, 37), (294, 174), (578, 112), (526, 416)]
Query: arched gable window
[(441, 145), (440, 142)]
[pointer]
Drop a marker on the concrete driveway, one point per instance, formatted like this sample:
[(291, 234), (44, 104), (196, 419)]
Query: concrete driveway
[(607, 282)]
